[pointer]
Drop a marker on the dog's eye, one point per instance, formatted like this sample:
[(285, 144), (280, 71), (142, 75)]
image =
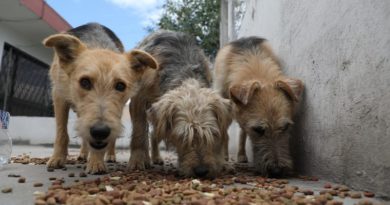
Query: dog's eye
[(86, 83), (285, 127), (259, 130), (120, 86)]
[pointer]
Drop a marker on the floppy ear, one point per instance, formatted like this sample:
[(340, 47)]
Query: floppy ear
[(161, 115), (242, 93), (67, 47), (140, 60), (292, 87)]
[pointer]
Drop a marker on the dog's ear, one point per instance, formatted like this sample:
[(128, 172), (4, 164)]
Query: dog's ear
[(140, 60), (242, 93), (67, 47), (161, 115), (292, 87)]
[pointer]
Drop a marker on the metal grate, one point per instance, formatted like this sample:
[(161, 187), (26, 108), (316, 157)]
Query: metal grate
[(24, 84)]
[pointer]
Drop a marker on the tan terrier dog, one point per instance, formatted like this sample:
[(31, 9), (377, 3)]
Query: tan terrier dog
[(92, 75), (248, 72), (185, 111)]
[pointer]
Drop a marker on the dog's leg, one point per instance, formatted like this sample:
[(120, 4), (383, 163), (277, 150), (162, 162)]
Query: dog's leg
[(139, 158), (61, 111), (83, 151), (95, 163), (226, 148), (156, 158), (110, 154), (241, 157)]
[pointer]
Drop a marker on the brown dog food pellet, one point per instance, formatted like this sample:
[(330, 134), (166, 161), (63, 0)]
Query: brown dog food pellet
[(52, 178), (7, 190), (365, 202), (38, 184), (307, 192), (21, 180), (83, 174), (368, 194), (40, 202), (49, 169), (51, 201), (355, 195), (327, 186), (71, 175)]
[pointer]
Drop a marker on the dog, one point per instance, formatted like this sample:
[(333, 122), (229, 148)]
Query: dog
[(92, 75), (182, 108), (248, 72)]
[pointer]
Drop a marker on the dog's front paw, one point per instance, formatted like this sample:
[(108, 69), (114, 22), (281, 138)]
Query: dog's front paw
[(56, 162), (82, 157), (139, 160), (96, 167), (110, 158), (242, 158)]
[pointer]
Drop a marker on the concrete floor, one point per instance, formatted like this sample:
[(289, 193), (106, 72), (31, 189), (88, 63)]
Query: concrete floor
[(23, 193)]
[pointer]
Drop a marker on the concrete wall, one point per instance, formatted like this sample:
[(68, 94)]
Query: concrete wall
[(341, 50)]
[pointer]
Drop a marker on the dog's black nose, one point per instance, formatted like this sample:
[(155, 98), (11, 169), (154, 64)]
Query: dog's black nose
[(99, 131), (275, 172), (201, 171)]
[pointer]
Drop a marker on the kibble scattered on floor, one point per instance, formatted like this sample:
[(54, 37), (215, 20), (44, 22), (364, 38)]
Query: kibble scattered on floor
[(160, 185)]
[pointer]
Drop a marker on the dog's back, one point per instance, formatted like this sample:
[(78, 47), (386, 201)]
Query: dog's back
[(95, 35), (179, 58)]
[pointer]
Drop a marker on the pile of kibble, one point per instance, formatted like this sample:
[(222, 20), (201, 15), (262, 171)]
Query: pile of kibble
[(160, 186)]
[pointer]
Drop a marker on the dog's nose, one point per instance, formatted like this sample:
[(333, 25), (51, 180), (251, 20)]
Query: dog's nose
[(99, 131), (201, 171), (275, 172)]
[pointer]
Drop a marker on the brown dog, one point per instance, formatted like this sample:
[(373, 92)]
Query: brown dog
[(91, 75), (248, 72)]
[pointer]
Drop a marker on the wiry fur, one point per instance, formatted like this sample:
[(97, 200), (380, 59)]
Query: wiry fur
[(187, 114), (248, 72), (101, 104)]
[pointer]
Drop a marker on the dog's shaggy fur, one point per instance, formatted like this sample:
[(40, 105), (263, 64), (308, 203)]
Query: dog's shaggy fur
[(92, 75), (248, 72), (187, 114)]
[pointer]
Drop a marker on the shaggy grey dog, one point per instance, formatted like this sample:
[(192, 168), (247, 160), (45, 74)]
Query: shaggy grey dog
[(184, 111)]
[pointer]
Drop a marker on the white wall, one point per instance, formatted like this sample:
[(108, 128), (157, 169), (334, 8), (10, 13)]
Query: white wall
[(22, 42)]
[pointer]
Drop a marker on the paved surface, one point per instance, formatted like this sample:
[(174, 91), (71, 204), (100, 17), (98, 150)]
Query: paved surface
[(23, 193)]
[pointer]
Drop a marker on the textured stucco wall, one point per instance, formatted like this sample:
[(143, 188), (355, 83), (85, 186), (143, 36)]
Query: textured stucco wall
[(341, 50)]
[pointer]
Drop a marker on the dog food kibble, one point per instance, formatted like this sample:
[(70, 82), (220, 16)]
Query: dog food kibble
[(368, 194), (21, 180), (40, 202), (38, 184), (52, 178), (327, 186), (71, 175), (83, 174), (6, 190), (355, 195), (49, 169)]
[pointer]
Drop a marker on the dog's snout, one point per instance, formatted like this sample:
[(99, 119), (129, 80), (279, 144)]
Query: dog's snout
[(275, 172), (100, 131), (201, 171)]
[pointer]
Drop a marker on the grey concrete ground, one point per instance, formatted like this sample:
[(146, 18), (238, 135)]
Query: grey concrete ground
[(23, 193)]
